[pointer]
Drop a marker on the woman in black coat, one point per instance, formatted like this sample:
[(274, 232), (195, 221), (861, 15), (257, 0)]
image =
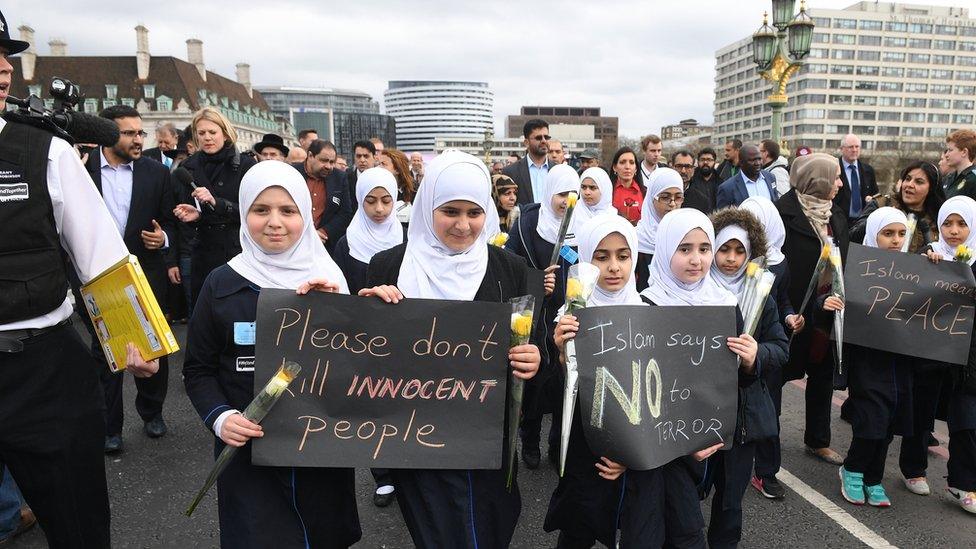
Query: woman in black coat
[(448, 256), (217, 169), (811, 221)]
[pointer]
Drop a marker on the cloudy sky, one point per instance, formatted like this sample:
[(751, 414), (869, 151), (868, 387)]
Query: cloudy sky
[(650, 63)]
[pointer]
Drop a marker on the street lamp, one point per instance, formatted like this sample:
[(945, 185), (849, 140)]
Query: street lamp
[(779, 53), (487, 145)]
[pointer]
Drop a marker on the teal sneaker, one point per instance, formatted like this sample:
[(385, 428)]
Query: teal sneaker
[(877, 496), (852, 486)]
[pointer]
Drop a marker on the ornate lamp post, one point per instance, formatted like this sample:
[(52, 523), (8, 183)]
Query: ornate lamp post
[(779, 53), (487, 145)]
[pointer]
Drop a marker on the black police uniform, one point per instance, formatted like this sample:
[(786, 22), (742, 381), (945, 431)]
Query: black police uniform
[(51, 407), (259, 507)]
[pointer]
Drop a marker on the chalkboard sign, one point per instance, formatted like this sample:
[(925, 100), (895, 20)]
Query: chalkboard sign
[(905, 304), (656, 383), (420, 384)]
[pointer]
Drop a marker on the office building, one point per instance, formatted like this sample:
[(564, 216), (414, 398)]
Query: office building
[(426, 110), (605, 127)]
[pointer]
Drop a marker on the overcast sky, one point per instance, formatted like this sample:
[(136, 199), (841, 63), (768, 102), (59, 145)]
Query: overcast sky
[(650, 63)]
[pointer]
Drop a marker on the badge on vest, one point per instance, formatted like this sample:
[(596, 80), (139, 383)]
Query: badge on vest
[(244, 333), (336, 201), (12, 192), (245, 364)]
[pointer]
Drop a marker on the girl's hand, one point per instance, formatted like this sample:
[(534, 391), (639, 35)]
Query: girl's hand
[(746, 347), (319, 285), (525, 360), (933, 256), (796, 322), (549, 282), (833, 303), (608, 469), (386, 292), (237, 430), (566, 329), (135, 364), (702, 455)]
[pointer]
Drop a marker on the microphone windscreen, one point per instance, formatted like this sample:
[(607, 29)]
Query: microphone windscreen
[(85, 128), (183, 175)]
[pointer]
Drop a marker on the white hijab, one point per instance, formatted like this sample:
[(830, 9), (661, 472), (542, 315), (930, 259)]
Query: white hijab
[(430, 269), (366, 237), (560, 179), (664, 287), (661, 180), (585, 212), (589, 237), (965, 207), (764, 209), (878, 220), (306, 259), (732, 283)]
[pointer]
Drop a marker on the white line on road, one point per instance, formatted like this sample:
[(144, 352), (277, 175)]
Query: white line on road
[(835, 513)]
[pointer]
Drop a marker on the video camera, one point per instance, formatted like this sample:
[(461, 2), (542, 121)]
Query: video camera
[(62, 120)]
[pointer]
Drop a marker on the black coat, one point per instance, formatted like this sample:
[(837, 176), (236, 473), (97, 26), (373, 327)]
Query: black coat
[(459, 508), (519, 172), (224, 185), (338, 205), (701, 193), (868, 184), (802, 250), (354, 270), (152, 198), (781, 291)]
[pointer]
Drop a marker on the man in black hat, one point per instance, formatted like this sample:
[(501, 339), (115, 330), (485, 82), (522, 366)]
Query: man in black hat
[(51, 423), (271, 147)]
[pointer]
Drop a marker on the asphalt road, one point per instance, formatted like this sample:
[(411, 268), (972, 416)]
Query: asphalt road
[(153, 481)]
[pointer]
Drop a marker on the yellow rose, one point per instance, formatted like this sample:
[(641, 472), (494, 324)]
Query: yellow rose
[(574, 289), (825, 253), (522, 325), (500, 239), (751, 269), (571, 200)]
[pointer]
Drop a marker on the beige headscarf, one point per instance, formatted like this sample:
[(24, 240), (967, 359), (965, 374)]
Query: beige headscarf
[(813, 177)]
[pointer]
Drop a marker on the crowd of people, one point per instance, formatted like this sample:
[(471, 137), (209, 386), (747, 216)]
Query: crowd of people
[(212, 225)]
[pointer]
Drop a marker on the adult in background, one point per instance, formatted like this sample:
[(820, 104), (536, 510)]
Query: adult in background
[(959, 155), (305, 137), (917, 192), (529, 173), (750, 181), (652, 148), (217, 168), (704, 183), (628, 195), (363, 158), (730, 164), (776, 164), (396, 163), (341, 164), (271, 147), (331, 205), (138, 194), (557, 155), (296, 154), (812, 220), (589, 158), (684, 163), (167, 137), (496, 168), (378, 145), (860, 184), (417, 167)]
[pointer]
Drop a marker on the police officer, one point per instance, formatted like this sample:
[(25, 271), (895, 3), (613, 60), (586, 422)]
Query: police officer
[(51, 422)]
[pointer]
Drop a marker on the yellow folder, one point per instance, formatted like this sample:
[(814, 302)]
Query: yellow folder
[(123, 308)]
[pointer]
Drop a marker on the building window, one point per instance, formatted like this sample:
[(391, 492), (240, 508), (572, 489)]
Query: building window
[(865, 85), (111, 91), (939, 118), (945, 29), (867, 100), (943, 59), (918, 58), (149, 91), (920, 28), (865, 115), (915, 102), (821, 38), (890, 86), (869, 40), (936, 132), (944, 44), (965, 90), (915, 87), (962, 119), (893, 57), (895, 72), (164, 103), (942, 74), (48, 103), (863, 130), (839, 115), (870, 25), (967, 46), (868, 55), (964, 104), (920, 43), (966, 61), (894, 26), (34, 90), (106, 103), (845, 39), (843, 54), (889, 116), (840, 99), (895, 42), (888, 130), (889, 101), (842, 69), (128, 102), (917, 73), (941, 88), (965, 75), (91, 105), (845, 23), (822, 22), (837, 128), (967, 31), (913, 117)]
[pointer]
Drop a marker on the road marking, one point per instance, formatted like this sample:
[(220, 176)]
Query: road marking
[(835, 513), (838, 400)]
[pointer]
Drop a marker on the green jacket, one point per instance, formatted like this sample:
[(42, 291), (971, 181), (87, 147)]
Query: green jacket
[(964, 184)]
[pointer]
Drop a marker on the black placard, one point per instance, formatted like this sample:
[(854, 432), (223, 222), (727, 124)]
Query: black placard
[(904, 303), (419, 384), (656, 383)]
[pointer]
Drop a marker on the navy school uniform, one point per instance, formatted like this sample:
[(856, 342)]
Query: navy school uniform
[(353, 269), (729, 471), (258, 506), (643, 270), (543, 393), (962, 424), (768, 451), (459, 508)]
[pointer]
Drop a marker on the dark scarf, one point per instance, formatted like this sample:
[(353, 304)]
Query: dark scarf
[(212, 163)]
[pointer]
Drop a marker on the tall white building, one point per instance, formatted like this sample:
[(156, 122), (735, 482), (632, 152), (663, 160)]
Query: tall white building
[(900, 76), (426, 110)]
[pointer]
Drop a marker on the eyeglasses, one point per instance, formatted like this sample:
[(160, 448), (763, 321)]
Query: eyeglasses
[(542, 137), (133, 133), (672, 199), (683, 166)]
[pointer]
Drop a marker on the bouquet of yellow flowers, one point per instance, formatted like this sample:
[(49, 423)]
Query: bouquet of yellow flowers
[(579, 286), (963, 254), (522, 313), (255, 411)]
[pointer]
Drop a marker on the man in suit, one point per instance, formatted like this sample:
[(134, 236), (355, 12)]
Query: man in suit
[(751, 180), (139, 195), (166, 138), (331, 205), (364, 158), (860, 184), (530, 172)]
